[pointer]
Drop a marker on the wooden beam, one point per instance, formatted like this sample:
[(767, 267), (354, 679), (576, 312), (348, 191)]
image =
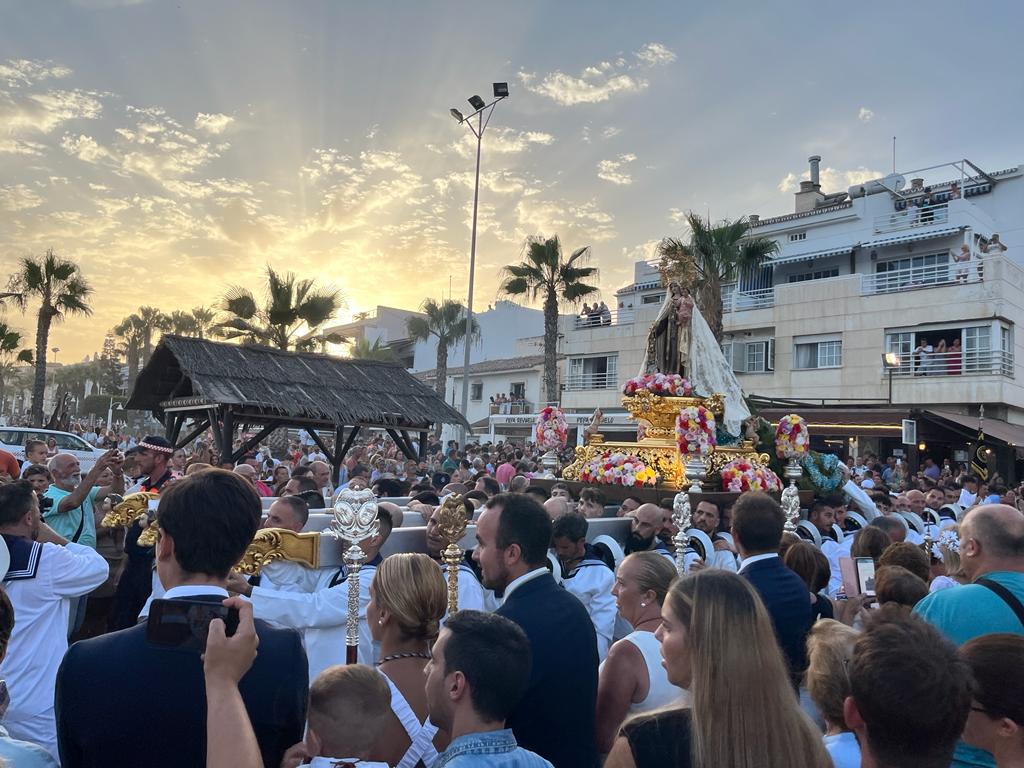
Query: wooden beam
[(339, 440), (423, 446), (176, 425), (227, 436), (348, 443), (252, 442), (213, 417), (322, 445), (198, 428), (402, 443)]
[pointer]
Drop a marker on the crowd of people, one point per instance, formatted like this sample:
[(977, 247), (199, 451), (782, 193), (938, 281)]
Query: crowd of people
[(563, 652)]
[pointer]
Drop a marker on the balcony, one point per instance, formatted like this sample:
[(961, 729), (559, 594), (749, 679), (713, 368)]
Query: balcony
[(576, 382), (514, 408), (981, 362), (912, 217), (929, 276), (611, 317), (737, 301)]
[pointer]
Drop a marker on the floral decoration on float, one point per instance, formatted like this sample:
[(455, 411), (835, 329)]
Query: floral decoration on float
[(551, 430), (740, 475), (667, 385), (792, 439), (823, 470), (613, 468), (695, 430)]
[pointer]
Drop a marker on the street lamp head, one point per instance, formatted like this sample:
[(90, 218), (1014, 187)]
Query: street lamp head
[(500, 90), (891, 360), (476, 102), (456, 114)]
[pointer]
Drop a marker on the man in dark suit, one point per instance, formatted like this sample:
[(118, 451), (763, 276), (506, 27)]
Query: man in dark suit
[(121, 701), (757, 524), (556, 716)]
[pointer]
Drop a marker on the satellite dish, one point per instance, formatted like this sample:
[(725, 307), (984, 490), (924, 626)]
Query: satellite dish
[(895, 181)]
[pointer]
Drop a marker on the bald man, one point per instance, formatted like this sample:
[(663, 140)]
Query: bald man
[(645, 523), (556, 506), (249, 473), (917, 504)]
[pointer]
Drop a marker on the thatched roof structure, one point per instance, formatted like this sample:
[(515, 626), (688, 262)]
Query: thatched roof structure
[(287, 384)]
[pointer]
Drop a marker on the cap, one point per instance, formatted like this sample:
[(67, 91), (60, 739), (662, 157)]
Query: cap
[(156, 443)]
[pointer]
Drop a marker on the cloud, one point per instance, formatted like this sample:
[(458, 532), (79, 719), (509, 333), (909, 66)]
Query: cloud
[(503, 141), (85, 148), (598, 83), (583, 222), (18, 72), (832, 180), (18, 197), (214, 123), (610, 132), (612, 170), (677, 215), (865, 115)]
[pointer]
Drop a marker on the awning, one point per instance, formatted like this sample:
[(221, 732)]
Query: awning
[(912, 237), (811, 255), (1011, 434)]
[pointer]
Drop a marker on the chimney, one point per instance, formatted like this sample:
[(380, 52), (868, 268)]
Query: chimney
[(753, 219), (814, 160), (917, 184)]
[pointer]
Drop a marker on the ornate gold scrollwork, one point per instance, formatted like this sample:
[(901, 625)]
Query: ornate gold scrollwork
[(452, 527), (126, 512), (272, 544)]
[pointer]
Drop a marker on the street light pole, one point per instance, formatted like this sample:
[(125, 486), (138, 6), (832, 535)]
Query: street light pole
[(478, 132)]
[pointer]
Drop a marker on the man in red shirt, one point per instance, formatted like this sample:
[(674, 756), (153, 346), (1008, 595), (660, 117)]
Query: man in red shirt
[(10, 469)]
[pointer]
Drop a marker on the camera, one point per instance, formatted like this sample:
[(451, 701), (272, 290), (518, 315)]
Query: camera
[(45, 503)]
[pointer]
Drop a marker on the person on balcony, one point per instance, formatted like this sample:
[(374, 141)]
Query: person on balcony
[(937, 362), (922, 356), (954, 359), (963, 260)]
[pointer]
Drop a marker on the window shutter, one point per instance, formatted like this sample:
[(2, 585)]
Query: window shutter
[(739, 358), (769, 355)]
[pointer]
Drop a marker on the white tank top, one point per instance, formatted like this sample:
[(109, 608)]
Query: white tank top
[(660, 692)]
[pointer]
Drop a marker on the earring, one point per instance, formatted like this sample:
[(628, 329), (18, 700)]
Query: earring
[(380, 621), (643, 605)]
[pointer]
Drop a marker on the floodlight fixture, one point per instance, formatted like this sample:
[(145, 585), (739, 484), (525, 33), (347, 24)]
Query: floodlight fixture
[(476, 102), (456, 114), (500, 90), (891, 360)]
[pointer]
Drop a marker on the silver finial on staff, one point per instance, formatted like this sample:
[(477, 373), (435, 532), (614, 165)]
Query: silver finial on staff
[(355, 520)]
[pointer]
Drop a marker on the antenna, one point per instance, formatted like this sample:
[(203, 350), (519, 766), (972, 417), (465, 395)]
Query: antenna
[(894, 154)]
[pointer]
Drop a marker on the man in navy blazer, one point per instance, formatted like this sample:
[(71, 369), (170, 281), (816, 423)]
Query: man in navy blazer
[(757, 524), (556, 716), (121, 701)]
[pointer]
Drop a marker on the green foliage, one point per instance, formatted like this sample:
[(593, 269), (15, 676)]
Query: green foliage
[(361, 349)]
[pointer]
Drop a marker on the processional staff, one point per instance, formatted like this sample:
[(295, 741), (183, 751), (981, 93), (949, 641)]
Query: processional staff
[(355, 520), (452, 527)]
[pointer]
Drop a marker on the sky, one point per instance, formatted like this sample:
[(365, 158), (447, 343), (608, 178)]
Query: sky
[(174, 149)]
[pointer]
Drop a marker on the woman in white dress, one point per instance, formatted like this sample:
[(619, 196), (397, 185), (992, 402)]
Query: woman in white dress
[(408, 597), (632, 679)]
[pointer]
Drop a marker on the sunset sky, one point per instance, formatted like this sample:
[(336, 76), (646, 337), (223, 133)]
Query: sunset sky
[(175, 148)]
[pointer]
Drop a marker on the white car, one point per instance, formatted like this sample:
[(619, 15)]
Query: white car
[(12, 439)]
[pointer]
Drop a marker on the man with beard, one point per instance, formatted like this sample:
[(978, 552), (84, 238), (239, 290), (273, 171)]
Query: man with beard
[(706, 518), (47, 573)]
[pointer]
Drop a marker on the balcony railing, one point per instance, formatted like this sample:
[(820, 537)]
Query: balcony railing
[(922, 277), (578, 381), (991, 362), (611, 317), (911, 217), (518, 407), (737, 301)]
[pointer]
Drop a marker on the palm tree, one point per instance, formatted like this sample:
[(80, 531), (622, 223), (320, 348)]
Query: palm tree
[(151, 319), (291, 316), (545, 273), (61, 290), (203, 319), (130, 331), (446, 322), (716, 254), (361, 349), (10, 356), (182, 323)]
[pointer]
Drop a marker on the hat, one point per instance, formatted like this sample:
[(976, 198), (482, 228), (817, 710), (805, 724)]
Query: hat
[(156, 443)]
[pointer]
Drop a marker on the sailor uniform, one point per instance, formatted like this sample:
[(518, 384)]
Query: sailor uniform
[(322, 615), (833, 550), (723, 559), (690, 555), (41, 582), (591, 581)]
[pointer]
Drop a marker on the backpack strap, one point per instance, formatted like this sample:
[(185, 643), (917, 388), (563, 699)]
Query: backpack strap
[(1007, 596)]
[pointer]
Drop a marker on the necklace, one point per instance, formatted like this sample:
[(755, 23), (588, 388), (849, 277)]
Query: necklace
[(405, 655)]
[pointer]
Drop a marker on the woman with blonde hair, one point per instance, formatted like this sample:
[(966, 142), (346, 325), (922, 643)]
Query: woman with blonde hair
[(947, 550), (408, 597), (631, 680), (829, 649), (717, 641)]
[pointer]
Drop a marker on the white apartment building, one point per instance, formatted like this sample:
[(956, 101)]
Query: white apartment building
[(859, 274)]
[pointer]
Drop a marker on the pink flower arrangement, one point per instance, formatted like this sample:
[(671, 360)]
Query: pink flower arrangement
[(695, 430), (792, 440), (550, 430), (618, 469), (740, 475), (669, 385)]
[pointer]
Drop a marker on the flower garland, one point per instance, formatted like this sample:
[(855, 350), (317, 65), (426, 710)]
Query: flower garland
[(823, 470), (792, 440), (695, 430), (618, 469), (740, 475), (550, 430), (948, 540), (670, 385)]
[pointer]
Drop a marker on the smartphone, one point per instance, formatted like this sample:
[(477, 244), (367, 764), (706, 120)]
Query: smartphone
[(866, 576), (184, 624)]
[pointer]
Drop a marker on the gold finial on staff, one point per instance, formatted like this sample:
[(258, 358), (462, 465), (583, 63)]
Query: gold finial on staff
[(355, 520), (128, 510), (452, 526)]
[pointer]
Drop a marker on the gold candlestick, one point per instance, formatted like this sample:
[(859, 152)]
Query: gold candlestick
[(355, 520), (452, 527)]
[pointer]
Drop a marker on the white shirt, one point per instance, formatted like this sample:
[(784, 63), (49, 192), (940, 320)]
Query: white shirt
[(756, 559), (194, 590), (528, 576), (833, 550), (724, 560), (321, 616), (591, 583), (40, 637)]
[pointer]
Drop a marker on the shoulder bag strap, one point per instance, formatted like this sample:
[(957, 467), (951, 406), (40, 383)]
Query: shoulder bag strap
[(81, 525), (1008, 597)]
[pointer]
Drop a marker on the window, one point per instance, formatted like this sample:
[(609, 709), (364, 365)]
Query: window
[(797, 236), (476, 391), (810, 353), (750, 356), (593, 373), (654, 298), (821, 274), (910, 271), (977, 348), (517, 389)]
